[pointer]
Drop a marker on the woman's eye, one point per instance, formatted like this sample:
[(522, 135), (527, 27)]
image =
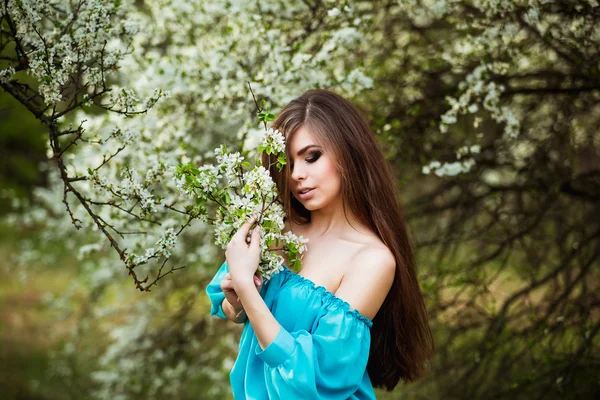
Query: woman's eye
[(314, 157)]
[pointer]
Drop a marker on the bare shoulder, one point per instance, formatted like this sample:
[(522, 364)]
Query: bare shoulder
[(375, 259), (367, 282)]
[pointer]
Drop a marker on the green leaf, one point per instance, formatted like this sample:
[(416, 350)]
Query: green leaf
[(226, 198)]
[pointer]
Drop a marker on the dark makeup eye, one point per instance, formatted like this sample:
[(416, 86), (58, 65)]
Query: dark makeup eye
[(314, 156)]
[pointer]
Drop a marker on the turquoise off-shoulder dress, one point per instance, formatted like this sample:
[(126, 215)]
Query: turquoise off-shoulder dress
[(320, 352)]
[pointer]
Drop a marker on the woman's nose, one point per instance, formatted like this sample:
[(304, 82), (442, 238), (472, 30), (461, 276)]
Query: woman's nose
[(298, 173)]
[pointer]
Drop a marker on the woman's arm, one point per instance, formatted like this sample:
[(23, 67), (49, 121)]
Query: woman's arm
[(263, 322), (231, 313)]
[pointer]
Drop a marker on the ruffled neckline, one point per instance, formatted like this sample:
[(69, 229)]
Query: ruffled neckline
[(327, 295)]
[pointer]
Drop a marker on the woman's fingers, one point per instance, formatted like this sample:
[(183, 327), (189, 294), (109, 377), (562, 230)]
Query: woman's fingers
[(226, 284), (244, 229)]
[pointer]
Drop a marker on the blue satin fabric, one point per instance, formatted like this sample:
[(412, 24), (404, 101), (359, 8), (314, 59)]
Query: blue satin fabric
[(320, 352)]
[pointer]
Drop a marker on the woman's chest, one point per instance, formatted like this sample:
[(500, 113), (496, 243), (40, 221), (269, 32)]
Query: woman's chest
[(325, 262)]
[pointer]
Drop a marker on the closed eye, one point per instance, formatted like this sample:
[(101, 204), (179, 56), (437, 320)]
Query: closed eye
[(313, 157)]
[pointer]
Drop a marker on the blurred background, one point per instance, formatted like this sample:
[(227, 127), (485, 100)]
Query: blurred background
[(488, 113)]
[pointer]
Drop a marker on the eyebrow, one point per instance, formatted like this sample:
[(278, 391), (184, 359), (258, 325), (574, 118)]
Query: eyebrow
[(303, 150)]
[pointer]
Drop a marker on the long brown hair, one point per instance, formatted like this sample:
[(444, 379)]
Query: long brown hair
[(401, 340)]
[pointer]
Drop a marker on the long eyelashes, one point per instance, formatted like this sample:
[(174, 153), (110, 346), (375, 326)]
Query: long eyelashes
[(313, 157)]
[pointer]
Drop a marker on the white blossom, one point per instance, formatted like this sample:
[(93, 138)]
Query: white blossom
[(274, 139), (6, 74), (190, 61)]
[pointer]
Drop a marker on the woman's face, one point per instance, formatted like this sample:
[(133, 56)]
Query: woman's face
[(312, 169)]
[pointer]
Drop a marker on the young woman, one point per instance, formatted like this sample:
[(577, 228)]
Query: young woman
[(353, 318)]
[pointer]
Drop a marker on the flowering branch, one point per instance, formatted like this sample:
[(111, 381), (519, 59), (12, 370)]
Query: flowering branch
[(243, 193), (71, 66)]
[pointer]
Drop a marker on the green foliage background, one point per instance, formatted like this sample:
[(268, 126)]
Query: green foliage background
[(508, 252)]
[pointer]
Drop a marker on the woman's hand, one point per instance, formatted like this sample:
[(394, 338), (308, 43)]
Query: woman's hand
[(243, 257), (231, 295)]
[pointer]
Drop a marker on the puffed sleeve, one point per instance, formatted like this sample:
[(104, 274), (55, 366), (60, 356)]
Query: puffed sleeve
[(327, 364), (215, 293)]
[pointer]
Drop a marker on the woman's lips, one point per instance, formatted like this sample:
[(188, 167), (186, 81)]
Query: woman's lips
[(306, 195)]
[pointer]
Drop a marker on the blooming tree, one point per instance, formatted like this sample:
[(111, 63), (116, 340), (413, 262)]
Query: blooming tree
[(113, 175), (493, 104), (244, 194)]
